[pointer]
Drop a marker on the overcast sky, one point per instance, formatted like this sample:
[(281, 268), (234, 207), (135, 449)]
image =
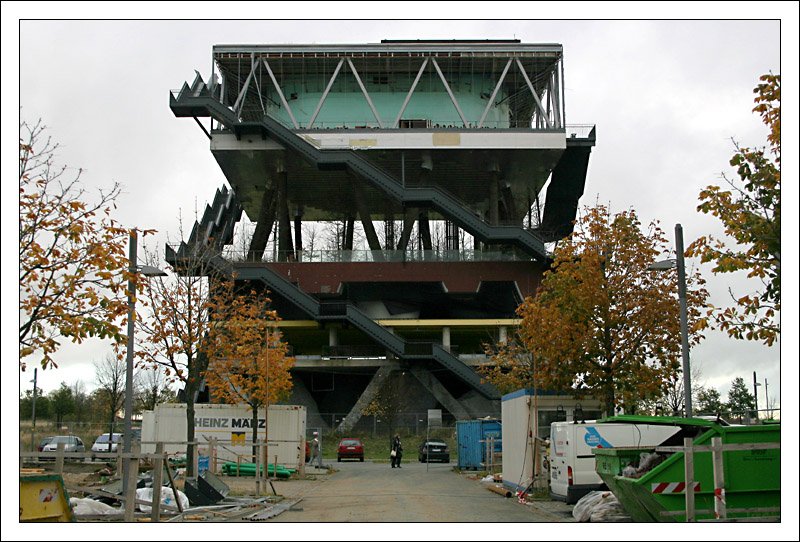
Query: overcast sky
[(666, 96)]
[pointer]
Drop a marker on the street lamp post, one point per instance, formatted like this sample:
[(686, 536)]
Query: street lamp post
[(133, 270), (679, 264)]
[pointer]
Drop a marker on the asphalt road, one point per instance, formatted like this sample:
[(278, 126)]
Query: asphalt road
[(374, 492)]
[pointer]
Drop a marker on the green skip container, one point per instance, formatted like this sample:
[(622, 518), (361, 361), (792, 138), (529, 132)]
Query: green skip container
[(752, 477)]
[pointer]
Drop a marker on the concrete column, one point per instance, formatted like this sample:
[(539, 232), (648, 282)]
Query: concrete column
[(494, 200), (439, 392), (446, 338), (298, 233), (367, 396), (333, 336), (503, 339), (284, 228)]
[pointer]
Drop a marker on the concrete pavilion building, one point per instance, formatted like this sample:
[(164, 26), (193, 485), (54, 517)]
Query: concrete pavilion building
[(396, 199)]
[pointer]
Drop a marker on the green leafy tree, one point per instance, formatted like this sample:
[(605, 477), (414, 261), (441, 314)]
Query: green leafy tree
[(62, 403), (601, 323), (709, 401), (750, 210), (740, 400), (43, 410)]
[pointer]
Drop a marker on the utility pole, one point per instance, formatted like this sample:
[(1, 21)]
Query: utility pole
[(33, 405), (766, 398), (756, 384)]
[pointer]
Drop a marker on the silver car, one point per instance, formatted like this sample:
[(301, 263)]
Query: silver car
[(71, 444)]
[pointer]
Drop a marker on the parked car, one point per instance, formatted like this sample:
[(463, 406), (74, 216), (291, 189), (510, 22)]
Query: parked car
[(434, 450), (43, 443), (350, 448), (71, 444), (101, 444)]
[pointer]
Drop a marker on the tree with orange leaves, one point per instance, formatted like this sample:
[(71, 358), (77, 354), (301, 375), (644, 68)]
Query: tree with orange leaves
[(249, 363), (601, 323), (72, 258), (750, 211), (176, 326)]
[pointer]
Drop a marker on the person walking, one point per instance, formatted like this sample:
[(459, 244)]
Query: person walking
[(397, 452), (314, 449)]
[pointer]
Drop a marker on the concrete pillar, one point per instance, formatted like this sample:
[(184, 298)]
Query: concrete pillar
[(503, 339), (333, 336), (494, 200), (367, 396), (285, 248), (265, 221), (298, 233), (446, 338), (439, 392)]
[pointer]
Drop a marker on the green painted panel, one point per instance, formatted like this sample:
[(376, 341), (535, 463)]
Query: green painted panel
[(346, 105)]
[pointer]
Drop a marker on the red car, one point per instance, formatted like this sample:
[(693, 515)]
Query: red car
[(350, 448)]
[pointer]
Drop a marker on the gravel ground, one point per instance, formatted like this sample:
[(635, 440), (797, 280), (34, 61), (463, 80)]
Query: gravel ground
[(373, 492)]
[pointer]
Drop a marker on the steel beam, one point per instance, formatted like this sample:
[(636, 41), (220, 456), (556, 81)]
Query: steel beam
[(364, 91), (325, 94), (410, 92), (535, 96), (494, 93), (243, 91), (450, 93), (280, 94)]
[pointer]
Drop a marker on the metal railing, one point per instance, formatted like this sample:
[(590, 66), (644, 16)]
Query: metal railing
[(367, 256)]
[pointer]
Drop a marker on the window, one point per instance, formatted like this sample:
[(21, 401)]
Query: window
[(415, 123)]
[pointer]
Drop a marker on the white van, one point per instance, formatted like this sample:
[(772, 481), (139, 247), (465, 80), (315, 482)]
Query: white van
[(572, 464), (101, 444)]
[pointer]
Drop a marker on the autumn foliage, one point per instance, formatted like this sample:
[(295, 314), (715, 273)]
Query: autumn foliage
[(249, 361), (602, 324), (72, 259), (750, 210)]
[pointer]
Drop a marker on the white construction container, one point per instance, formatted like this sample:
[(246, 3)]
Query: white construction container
[(525, 415), (231, 426)]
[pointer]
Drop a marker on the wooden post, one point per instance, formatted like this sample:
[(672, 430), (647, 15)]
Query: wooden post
[(688, 462), (60, 458), (720, 511), (174, 491), (258, 473), (133, 477), (212, 460), (196, 459), (158, 481)]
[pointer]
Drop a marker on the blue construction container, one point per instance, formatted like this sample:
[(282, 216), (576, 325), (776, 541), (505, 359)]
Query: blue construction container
[(472, 436)]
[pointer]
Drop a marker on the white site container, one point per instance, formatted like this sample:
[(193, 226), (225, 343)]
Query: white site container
[(231, 426), (519, 411)]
